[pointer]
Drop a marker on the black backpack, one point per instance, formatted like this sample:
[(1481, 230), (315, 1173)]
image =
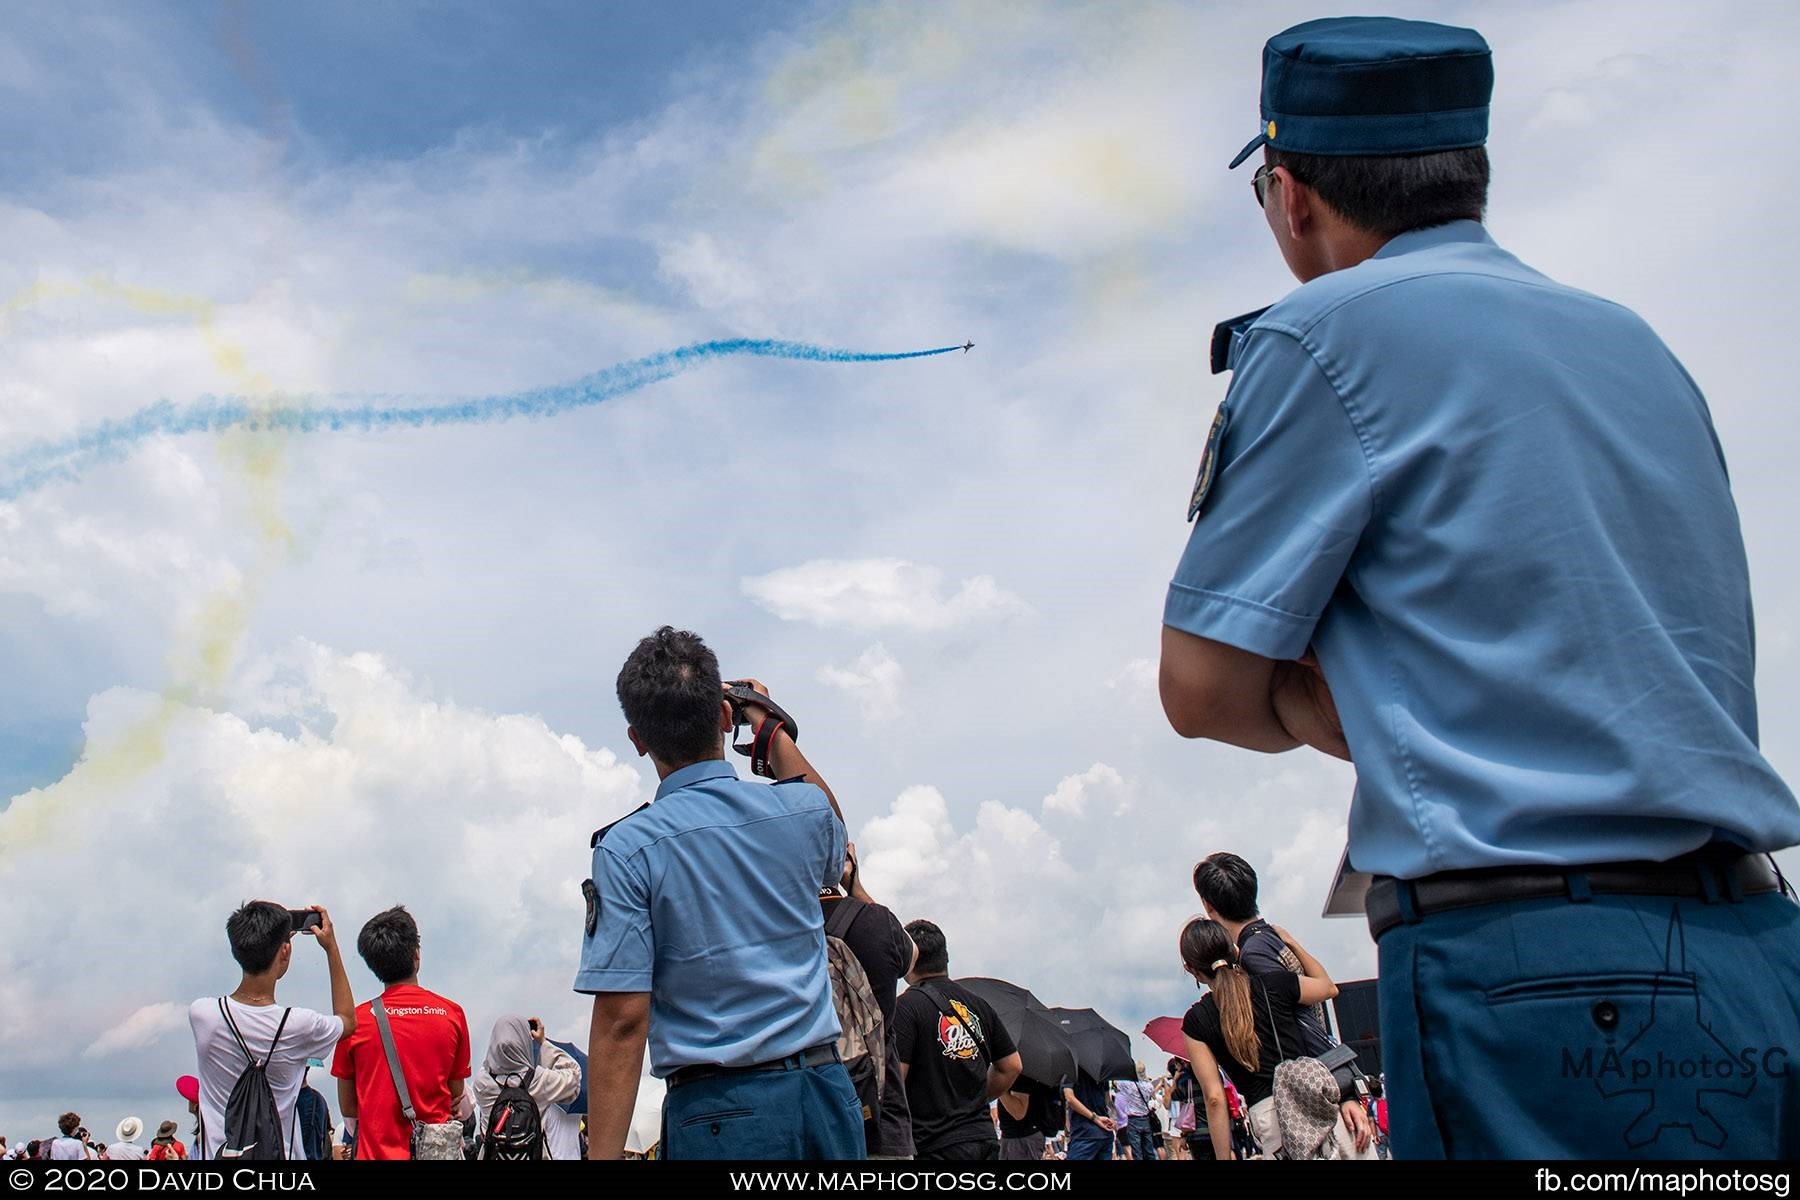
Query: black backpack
[(252, 1122), (515, 1131)]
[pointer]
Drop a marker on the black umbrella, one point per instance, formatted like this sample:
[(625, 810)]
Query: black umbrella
[(1047, 1056), (1102, 1049)]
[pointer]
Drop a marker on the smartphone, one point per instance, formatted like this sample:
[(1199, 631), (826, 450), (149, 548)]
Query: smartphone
[(304, 919)]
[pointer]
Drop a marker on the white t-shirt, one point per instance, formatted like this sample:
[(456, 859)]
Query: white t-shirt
[(308, 1034), (562, 1133), (67, 1149), (125, 1151)]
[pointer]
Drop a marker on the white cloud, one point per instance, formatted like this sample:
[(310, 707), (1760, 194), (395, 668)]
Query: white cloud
[(1081, 924), (141, 1029), (715, 278), (1073, 791), (874, 681), (317, 777), (879, 593), (1136, 681)]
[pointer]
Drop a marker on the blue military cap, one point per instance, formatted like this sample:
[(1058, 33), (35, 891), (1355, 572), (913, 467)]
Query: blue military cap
[(1374, 86)]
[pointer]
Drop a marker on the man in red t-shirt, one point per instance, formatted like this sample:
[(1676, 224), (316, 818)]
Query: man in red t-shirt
[(431, 1037)]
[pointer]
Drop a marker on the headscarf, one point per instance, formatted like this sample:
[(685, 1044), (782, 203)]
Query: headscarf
[(509, 1048)]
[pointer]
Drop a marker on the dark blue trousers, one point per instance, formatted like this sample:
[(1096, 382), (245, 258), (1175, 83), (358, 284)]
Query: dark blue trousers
[(1090, 1143), (1140, 1139), (1619, 1027), (804, 1114)]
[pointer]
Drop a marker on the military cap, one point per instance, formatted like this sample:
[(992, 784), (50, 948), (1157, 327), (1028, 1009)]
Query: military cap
[(1374, 86)]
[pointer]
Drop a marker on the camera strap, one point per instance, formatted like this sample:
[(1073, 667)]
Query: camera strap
[(762, 738), (762, 745)]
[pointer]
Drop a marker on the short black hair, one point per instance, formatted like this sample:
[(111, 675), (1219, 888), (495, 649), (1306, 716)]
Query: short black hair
[(934, 953), (388, 942), (670, 691), (1228, 884), (258, 931), (1390, 194)]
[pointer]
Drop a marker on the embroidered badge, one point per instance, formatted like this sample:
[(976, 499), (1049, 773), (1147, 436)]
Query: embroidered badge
[(591, 894), (1209, 462)]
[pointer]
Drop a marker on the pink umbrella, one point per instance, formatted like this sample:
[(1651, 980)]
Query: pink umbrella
[(1166, 1033)]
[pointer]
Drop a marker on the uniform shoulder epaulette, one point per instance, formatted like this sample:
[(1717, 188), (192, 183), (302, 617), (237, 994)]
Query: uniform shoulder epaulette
[(605, 829)]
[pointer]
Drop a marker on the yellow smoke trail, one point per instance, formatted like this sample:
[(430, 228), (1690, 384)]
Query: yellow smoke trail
[(205, 652)]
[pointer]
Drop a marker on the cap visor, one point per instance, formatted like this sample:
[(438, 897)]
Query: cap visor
[(1260, 140)]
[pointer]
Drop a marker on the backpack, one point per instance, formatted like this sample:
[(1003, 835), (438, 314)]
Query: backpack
[(862, 1044), (515, 1131), (252, 1122)]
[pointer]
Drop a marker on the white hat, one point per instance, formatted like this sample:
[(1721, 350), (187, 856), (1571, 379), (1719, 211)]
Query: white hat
[(130, 1129)]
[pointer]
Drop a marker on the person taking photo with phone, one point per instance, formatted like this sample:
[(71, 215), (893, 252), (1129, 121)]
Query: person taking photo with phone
[(247, 1029)]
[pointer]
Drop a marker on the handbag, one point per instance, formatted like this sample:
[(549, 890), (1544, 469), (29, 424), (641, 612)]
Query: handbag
[(1353, 1082), (433, 1142), (1186, 1121)]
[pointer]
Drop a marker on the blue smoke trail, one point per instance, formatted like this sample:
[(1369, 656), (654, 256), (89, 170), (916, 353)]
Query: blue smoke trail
[(67, 459)]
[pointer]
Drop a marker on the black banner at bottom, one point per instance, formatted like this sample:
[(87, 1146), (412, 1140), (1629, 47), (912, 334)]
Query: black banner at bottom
[(1045, 1178)]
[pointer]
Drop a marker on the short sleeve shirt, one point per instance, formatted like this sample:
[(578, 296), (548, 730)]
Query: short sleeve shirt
[(883, 948), (431, 1038), (948, 1037), (307, 1034), (708, 899), (1496, 509), (1274, 999)]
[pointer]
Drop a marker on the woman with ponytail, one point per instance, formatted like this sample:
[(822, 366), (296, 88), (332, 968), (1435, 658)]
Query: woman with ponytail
[(1245, 1024)]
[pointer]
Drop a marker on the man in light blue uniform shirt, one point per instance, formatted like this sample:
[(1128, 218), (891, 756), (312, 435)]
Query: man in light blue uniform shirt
[(1472, 530), (704, 935)]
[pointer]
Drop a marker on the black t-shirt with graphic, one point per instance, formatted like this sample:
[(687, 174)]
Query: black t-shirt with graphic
[(947, 1037), (1274, 999)]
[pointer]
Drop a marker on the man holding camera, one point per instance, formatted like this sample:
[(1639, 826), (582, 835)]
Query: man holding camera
[(704, 938), (231, 1032), (1493, 513)]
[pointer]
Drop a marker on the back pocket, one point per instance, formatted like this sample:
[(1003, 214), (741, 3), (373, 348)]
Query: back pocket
[(735, 1133), (1554, 987)]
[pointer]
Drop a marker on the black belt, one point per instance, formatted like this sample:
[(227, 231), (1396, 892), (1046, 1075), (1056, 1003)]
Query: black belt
[(1711, 875), (816, 1056)]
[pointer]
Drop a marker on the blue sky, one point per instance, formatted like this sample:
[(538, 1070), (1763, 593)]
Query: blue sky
[(236, 665)]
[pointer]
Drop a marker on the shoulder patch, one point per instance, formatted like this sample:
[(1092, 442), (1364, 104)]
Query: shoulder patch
[(600, 833), (591, 894), (1209, 461)]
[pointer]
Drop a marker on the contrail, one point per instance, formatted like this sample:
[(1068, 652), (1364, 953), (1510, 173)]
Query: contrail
[(67, 459)]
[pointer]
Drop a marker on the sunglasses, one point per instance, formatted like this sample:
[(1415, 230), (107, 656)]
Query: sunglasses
[(1259, 183)]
